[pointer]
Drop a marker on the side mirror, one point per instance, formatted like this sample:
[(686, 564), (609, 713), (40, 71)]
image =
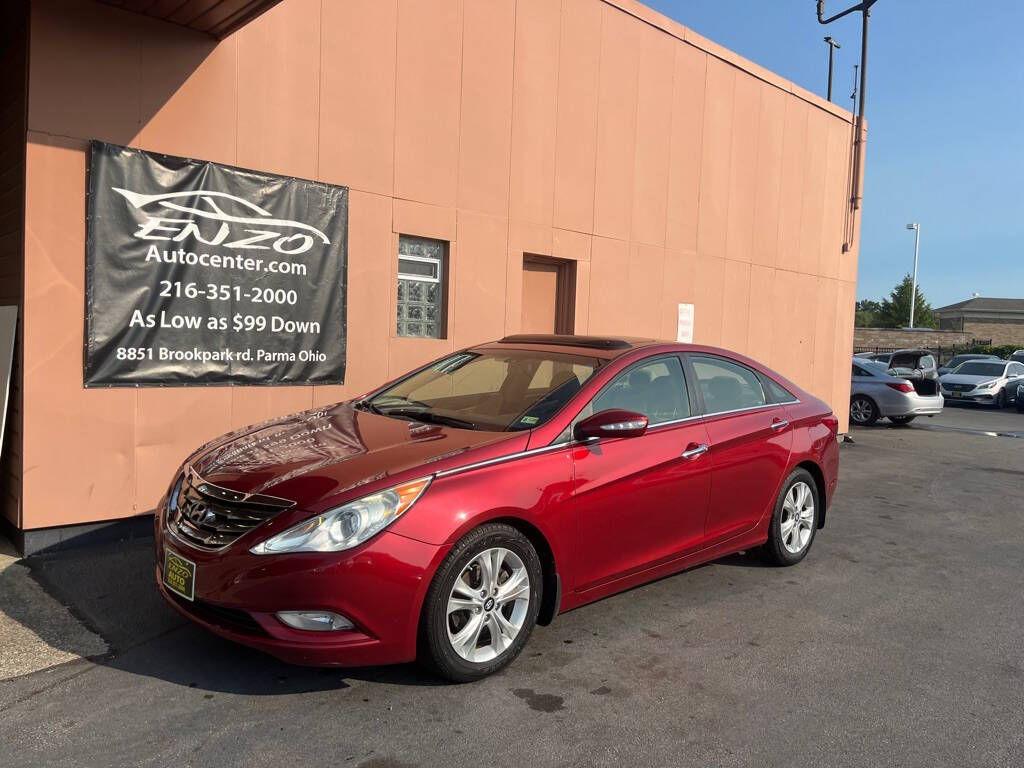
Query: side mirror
[(611, 423)]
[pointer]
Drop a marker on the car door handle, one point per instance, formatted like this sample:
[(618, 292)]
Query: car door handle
[(780, 424), (694, 450)]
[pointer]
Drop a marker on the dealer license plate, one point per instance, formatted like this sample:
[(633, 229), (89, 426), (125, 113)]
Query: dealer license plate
[(179, 575)]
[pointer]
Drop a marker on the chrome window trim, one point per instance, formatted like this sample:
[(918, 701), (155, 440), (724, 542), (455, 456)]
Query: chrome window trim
[(653, 427), (751, 408)]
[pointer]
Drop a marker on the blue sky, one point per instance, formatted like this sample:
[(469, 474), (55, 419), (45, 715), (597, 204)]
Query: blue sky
[(946, 117)]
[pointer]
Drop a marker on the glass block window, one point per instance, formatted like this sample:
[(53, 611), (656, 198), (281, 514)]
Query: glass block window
[(421, 287)]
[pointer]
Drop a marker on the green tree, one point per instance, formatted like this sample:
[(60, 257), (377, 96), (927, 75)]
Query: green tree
[(867, 312), (895, 310)]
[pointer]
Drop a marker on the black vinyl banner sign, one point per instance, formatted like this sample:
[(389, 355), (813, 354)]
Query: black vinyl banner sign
[(199, 273)]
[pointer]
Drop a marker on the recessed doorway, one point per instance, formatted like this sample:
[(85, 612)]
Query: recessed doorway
[(549, 295)]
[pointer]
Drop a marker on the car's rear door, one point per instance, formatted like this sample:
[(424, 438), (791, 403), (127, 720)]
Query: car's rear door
[(642, 500), (749, 439)]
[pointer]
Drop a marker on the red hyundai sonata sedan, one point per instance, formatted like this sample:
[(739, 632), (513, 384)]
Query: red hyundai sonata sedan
[(444, 515)]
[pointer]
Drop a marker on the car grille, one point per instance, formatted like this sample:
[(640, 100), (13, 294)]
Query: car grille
[(220, 616), (959, 387), (209, 517)]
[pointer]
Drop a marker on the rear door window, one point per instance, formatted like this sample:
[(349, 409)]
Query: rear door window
[(727, 386)]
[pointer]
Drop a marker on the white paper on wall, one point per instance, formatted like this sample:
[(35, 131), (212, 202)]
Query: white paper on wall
[(684, 328)]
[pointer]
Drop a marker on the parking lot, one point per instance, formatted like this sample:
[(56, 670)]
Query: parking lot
[(896, 642)]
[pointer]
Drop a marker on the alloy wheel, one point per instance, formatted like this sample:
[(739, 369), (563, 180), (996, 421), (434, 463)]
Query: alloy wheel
[(797, 517), (488, 605), (860, 410)]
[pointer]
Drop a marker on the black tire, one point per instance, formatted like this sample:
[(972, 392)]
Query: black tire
[(901, 420), (435, 649), (775, 549), (870, 412), (1020, 405), (1001, 400)]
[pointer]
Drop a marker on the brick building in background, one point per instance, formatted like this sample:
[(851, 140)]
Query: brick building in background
[(1001, 320)]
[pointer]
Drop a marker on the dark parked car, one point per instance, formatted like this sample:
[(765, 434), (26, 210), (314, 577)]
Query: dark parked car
[(443, 515), (958, 359)]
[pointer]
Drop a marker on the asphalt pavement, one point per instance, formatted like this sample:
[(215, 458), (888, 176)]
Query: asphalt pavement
[(897, 642)]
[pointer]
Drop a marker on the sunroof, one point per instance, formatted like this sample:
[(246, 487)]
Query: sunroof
[(593, 342)]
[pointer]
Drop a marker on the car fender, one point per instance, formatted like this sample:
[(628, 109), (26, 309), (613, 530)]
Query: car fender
[(536, 489)]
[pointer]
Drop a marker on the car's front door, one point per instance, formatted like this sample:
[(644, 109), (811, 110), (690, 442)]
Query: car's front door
[(750, 441), (642, 500)]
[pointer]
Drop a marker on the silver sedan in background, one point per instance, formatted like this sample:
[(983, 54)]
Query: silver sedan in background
[(875, 393), (988, 382)]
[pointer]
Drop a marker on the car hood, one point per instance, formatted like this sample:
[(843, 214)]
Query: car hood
[(312, 457), (962, 378)]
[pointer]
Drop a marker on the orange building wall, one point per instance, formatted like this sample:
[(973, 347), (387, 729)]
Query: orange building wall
[(669, 169)]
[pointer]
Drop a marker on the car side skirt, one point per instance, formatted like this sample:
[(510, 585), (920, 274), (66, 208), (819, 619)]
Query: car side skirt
[(752, 538)]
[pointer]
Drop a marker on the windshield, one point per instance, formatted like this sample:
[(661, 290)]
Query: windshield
[(963, 359), (493, 390), (980, 369)]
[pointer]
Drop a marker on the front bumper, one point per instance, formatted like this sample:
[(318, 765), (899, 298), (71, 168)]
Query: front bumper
[(983, 397), (380, 586)]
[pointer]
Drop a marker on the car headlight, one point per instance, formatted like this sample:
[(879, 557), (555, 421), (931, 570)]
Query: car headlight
[(346, 526), (987, 385)]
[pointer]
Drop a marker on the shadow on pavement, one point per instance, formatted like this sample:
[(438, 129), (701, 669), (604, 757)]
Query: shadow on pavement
[(111, 589)]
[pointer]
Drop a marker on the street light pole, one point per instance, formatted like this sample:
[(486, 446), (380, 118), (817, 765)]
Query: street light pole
[(832, 46), (913, 290), (858, 151)]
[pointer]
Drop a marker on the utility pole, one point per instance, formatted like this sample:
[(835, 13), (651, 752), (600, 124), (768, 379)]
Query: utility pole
[(858, 155), (913, 290), (832, 46)]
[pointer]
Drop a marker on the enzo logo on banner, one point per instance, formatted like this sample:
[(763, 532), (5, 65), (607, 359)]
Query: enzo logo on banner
[(232, 232), (199, 273)]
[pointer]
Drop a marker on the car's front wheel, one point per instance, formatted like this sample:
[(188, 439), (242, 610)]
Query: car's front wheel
[(863, 411), (482, 604), (1001, 399), (795, 519)]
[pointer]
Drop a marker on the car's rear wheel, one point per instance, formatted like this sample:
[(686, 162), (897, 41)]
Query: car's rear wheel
[(1020, 404), (863, 411), (901, 420), (795, 519), (482, 604)]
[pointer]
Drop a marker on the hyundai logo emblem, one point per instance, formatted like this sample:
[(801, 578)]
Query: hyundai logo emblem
[(198, 512)]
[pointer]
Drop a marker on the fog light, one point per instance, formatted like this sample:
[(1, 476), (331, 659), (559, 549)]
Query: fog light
[(315, 621)]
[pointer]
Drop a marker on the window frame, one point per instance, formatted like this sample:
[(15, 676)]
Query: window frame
[(443, 281)]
